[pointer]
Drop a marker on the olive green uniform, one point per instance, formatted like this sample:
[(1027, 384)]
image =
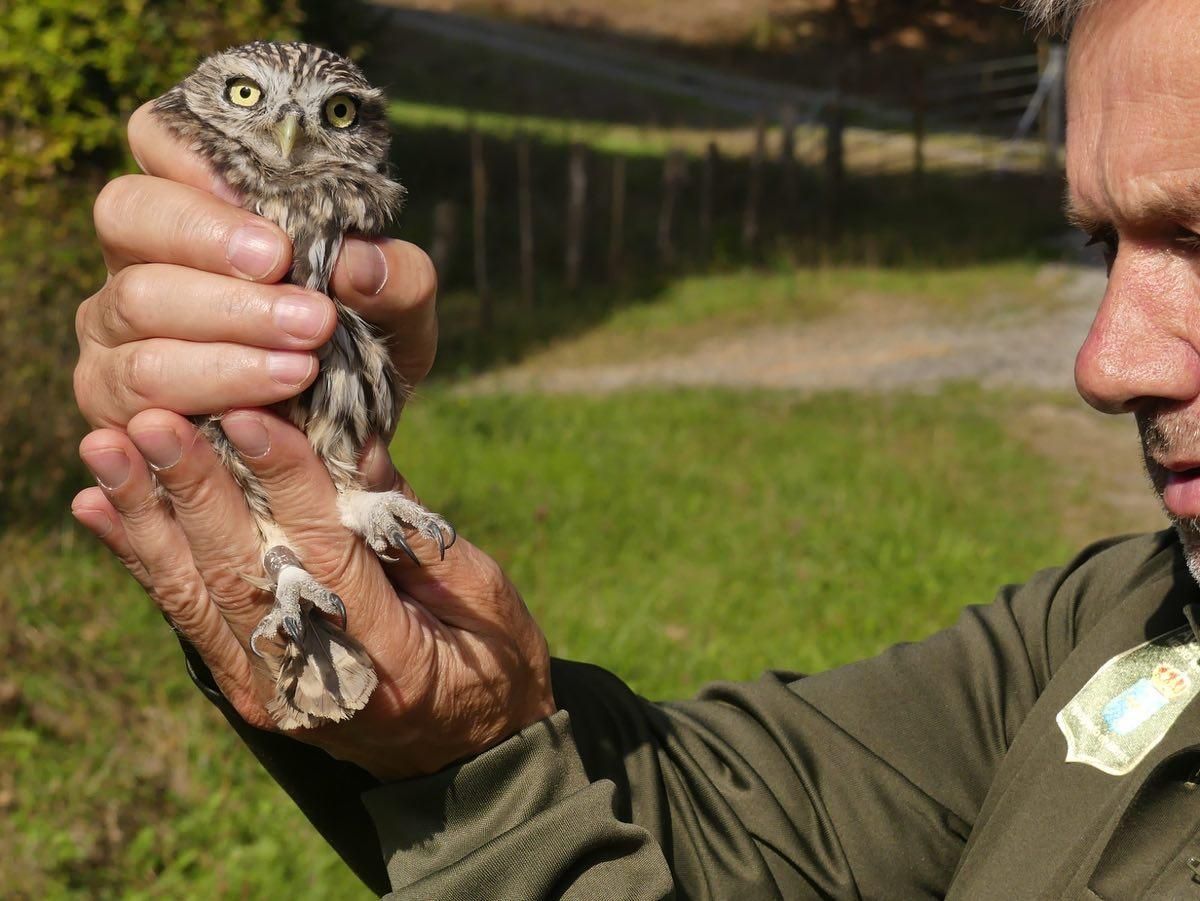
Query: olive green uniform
[(936, 769)]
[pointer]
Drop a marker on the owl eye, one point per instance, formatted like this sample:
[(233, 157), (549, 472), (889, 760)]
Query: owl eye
[(243, 92), (341, 111)]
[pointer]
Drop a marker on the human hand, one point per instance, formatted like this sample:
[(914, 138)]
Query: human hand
[(461, 663), (191, 319)]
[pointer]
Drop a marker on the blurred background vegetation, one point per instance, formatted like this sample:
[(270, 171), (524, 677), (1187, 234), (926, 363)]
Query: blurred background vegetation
[(772, 514)]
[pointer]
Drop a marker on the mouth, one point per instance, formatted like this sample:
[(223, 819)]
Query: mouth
[(1180, 486)]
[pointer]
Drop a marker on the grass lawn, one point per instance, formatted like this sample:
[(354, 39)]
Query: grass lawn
[(672, 537)]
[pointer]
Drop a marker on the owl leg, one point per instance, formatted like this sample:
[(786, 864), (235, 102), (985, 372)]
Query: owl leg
[(295, 589), (379, 517), (321, 674)]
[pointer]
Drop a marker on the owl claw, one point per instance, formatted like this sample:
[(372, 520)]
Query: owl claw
[(339, 610), (295, 591), (398, 540), (382, 518), (254, 646)]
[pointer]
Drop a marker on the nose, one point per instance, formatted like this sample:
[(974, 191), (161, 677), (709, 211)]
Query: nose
[(1142, 346)]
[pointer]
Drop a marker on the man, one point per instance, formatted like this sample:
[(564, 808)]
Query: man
[(1045, 746)]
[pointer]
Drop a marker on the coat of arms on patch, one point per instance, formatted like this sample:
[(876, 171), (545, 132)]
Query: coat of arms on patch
[(1127, 707)]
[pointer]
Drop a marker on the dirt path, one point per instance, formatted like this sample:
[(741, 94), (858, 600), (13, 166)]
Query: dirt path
[(881, 347), (876, 344)]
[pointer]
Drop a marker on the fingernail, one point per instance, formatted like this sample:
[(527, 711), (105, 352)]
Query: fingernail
[(254, 251), (288, 368), (95, 521), (109, 465), (160, 447), (367, 266), (301, 317), (248, 435)]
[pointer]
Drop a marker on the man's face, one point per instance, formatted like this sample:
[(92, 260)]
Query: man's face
[(1133, 163)]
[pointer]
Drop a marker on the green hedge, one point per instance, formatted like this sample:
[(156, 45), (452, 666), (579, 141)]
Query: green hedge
[(71, 71)]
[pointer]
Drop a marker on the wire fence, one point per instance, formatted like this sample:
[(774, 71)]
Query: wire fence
[(799, 154)]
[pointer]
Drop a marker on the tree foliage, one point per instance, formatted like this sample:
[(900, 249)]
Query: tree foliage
[(71, 71)]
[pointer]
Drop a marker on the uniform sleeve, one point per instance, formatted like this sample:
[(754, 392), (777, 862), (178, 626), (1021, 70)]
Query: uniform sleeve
[(862, 782)]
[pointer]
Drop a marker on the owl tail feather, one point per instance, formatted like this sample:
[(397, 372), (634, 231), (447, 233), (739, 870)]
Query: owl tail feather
[(325, 677)]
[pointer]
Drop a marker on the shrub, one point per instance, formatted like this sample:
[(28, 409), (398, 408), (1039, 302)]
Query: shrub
[(71, 71)]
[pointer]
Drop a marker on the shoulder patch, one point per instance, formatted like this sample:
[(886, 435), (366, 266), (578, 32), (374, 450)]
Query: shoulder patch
[(1131, 702)]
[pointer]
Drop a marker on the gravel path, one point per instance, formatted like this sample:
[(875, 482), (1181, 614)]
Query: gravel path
[(877, 348)]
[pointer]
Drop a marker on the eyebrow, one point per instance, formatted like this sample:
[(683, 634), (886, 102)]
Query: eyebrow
[(1159, 207)]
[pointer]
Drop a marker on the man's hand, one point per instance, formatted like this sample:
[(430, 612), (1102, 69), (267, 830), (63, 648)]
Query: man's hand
[(191, 321), (461, 663), (191, 318)]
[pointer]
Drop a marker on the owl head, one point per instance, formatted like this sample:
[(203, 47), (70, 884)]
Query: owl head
[(282, 108)]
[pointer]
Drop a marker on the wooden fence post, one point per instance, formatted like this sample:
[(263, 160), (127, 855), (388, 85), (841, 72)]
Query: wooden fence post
[(479, 191), (708, 183), (835, 162), (576, 208), (750, 224), (674, 172), (919, 111), (525, 223), (787, 162), (616, 228), (445, 229)]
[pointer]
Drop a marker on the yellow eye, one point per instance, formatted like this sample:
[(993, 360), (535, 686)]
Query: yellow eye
[(341, 110), (244, 92)]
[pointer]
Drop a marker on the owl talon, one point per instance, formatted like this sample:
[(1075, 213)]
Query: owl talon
[(382, 518), (339, 610), (397, 539), (254, 645), (295, 592)]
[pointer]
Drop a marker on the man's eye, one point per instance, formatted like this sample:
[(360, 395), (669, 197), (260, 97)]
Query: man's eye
[(1187, 240), (1110, 241)]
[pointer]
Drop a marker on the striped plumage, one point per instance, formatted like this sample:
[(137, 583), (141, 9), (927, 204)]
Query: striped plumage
[(274, 120)]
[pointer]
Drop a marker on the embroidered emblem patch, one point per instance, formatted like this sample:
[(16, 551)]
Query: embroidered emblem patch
[(1127, 707)]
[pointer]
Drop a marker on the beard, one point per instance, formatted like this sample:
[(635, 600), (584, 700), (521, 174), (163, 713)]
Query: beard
[(1164, 435)]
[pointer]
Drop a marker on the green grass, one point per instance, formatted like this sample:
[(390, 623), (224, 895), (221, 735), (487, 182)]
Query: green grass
[(672, 537), (684, 536)]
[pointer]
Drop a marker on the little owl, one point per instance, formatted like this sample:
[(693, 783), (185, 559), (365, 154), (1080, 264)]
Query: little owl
[(301, 137)]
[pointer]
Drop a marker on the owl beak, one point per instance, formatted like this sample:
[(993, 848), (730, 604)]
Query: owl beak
[(286, 131)]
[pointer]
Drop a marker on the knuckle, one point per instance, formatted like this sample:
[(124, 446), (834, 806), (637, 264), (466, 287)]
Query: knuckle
[(140, 374), (93, 393), (113, 202), (129, 292), (235, 594), (237, 300), (186, 608), (83, 314), (82, 383), (491, 577), (226, 366)]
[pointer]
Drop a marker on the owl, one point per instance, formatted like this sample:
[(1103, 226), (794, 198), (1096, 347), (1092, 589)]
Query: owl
[(302, 138)]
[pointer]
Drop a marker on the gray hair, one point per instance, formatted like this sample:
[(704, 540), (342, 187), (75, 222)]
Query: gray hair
[(1056, 15)]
